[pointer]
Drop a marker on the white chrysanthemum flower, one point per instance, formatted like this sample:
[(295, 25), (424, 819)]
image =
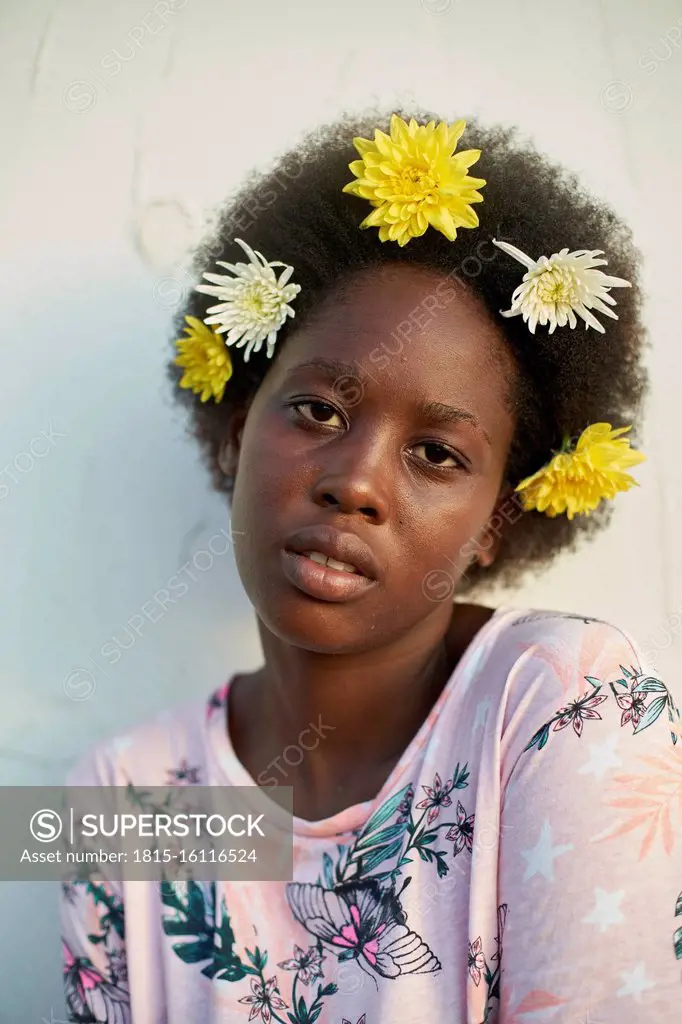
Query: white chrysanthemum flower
[(254, 301), (554, 289)]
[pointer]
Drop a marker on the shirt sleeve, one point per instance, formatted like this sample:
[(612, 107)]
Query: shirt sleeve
[(92, 923), (590, 868), (93, 954)]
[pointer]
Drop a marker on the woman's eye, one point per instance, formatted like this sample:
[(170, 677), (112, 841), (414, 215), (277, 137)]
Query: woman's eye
[(320, 412), (323, 413), (438, 454)]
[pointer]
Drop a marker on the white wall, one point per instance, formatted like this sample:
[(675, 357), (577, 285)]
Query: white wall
[(108, 168)]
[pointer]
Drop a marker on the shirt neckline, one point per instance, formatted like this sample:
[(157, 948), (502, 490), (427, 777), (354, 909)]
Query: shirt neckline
[(353, 817)]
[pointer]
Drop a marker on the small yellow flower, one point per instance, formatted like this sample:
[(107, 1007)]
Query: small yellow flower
[(576, 481), (414, 179), (206, 360)]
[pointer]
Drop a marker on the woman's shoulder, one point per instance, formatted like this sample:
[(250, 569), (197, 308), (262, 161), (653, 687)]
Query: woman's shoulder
[(556, 635), (570, 671), (547, 653), (545, 621), (167, 748), (565, 642)]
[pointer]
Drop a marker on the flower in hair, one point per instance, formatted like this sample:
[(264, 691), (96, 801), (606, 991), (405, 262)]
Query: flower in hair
[(205, 359), (414, 179), (578, 479), (254, 302), (554, 289)]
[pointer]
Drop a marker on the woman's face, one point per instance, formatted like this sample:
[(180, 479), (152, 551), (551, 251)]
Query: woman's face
[(404, 449)]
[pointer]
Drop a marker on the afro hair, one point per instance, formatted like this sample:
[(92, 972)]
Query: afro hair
[(296, 212)]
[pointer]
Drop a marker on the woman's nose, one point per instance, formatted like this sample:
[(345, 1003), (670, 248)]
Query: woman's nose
[(354, 480)]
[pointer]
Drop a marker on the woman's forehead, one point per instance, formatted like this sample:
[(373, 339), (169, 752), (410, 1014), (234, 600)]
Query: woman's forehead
[(403, 326)]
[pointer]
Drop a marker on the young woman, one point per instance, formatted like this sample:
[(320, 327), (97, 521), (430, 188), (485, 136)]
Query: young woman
[(411, 383)]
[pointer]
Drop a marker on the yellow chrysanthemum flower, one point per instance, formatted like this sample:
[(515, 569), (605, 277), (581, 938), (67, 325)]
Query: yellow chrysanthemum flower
[(414, 179), (576, 481), (206, 360)]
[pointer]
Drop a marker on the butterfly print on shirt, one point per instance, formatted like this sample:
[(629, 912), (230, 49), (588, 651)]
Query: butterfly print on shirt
[(363, 922), (90, 998)]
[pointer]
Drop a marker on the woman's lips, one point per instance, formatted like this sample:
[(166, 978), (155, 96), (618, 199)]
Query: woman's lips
[(321, 581)]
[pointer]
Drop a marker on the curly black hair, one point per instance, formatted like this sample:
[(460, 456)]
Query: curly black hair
[(296, 212)]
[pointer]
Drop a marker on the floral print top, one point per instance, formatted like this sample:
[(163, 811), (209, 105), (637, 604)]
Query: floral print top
[(522, 863)]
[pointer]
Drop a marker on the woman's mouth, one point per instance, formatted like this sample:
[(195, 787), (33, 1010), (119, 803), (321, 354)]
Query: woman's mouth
[(324, 578), (321, 559)]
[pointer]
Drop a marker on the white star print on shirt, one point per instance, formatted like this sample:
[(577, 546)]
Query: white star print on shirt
[(636, 982), (603, 756), (606, 909), (540, 859)]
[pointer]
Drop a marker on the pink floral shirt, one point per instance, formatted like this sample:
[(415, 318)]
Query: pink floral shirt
[(522, 863)]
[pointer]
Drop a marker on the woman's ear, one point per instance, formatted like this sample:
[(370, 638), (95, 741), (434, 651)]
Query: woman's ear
[(230, 445), (506, 511)]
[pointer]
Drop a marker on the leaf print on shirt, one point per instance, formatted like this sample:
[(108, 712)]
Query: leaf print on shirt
[(192, 905), (405, 806), (193, 919), (112, 919), (632, 704), (535, 1000), (677, 937), (375, 844), (663, 701), (378, 841), (572, 659), (650, 799), (361, 921)]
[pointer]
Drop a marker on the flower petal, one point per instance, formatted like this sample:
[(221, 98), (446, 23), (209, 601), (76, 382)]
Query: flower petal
[(511, 250)]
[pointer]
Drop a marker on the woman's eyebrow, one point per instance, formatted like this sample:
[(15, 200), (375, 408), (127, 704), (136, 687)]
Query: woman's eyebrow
[(437, 412), (432, 412), (332, 369)]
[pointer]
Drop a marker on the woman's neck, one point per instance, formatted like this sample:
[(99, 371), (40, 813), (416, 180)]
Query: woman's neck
[(334, 726)]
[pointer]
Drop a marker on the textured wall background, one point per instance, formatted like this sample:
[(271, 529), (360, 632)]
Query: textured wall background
[(122, 126)]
